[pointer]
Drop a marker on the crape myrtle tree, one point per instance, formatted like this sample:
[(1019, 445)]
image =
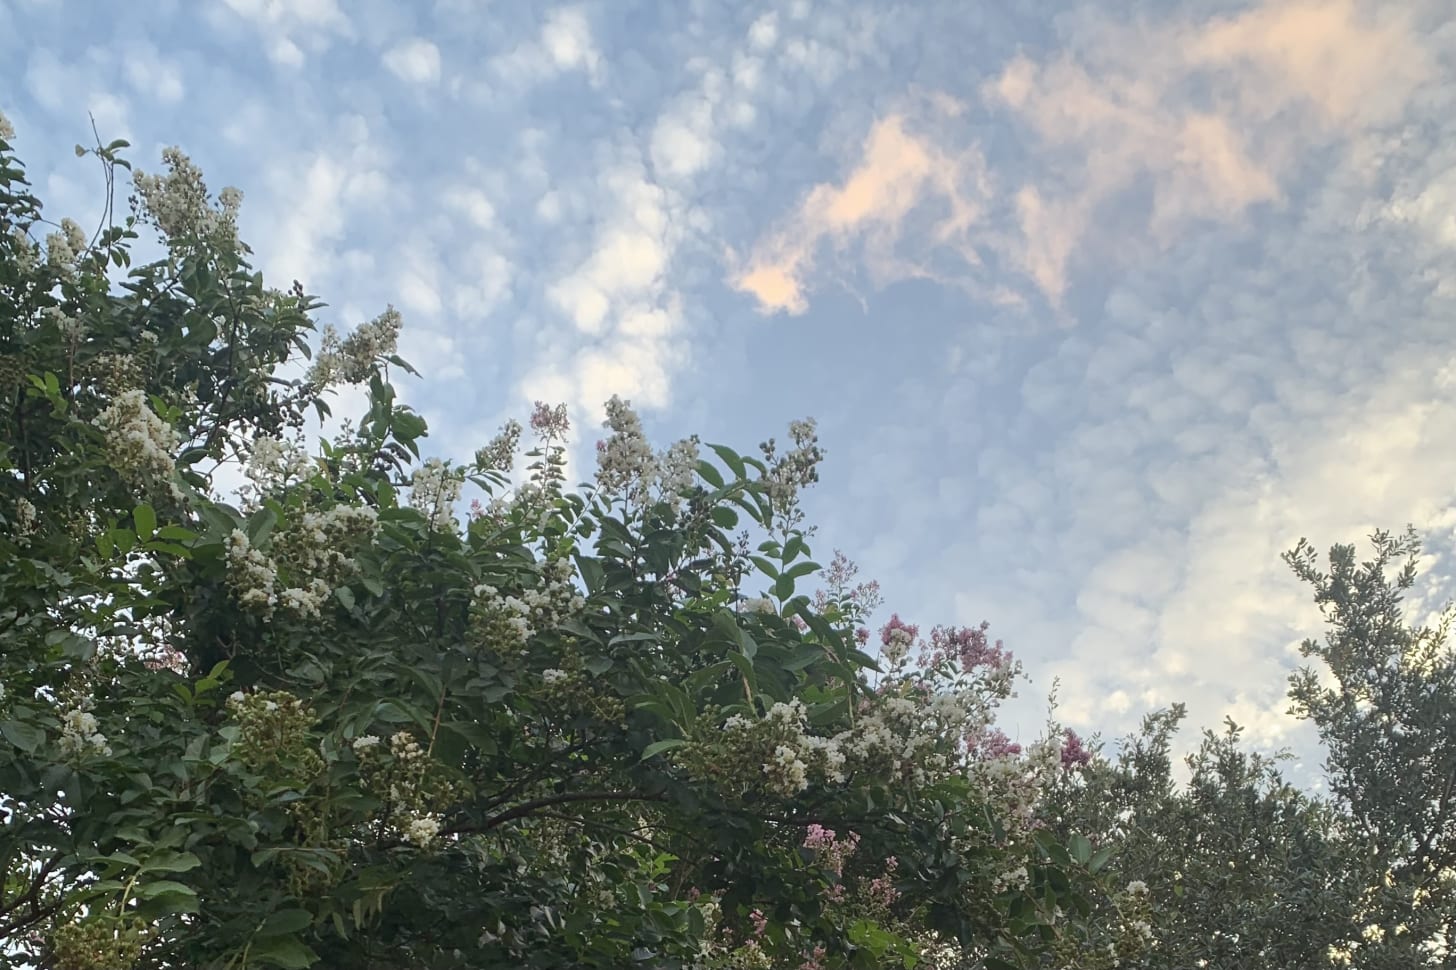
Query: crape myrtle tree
[(329, 723), (1245, 869)]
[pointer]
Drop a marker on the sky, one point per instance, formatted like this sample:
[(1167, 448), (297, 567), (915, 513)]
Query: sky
[(1099, 307)]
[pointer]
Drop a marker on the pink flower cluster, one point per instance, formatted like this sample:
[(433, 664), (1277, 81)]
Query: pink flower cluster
[(832, 851), (881, 890), (992, 743), (967, 646), (1074, 753), (815, 960), (897, 630), (550, 422)]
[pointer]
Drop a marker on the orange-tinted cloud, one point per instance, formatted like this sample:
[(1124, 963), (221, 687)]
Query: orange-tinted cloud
[(900, 169), (1276, 81)]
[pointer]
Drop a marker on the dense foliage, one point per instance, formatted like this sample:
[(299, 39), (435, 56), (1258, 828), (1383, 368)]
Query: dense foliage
[(1247, 870), (327, 722)]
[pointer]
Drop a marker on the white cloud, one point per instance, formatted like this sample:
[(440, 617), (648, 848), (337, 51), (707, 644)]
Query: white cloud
[(311, 198), (564, 44), (415, 60), (287, 27), (151, 75), (72, 90), (764, 32)]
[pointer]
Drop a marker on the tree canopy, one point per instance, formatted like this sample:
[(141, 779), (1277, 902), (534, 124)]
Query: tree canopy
[(335, 719)]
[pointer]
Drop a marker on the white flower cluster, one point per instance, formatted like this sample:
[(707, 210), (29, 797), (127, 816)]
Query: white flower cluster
[(139, 443), (26, 251), (314, 552), (508, 622), (421, 830), (898, 641), (80, 734), (251, 573), (797, 468), (434, 490), (7, 130), (677, 468), (351, 359), (408, 793), (625, 461), (25, 518), (178, 204), (500, 453), (627, 465), (274, 463), (63, 247), (914, 739), (72, 329), (317, 544), (1017, 782), (1012, 879)]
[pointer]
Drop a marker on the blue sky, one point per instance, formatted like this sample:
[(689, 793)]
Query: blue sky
[(1098, 311)]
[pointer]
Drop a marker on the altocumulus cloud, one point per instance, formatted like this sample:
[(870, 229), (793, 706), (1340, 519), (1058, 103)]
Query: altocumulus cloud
[(1099, 312)]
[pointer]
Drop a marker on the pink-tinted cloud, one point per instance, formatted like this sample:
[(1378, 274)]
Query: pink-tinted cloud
[(1277, 81), (900, 169)]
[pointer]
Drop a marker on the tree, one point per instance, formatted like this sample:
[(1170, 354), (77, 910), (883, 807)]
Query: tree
[(329, 723), (1243, 868), (1386, 717)]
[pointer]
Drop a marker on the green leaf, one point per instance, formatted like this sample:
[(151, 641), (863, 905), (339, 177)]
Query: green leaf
[(710, 474), (731, 459), (172, 862), (769, 569), (1081, 849), (162, 887), (285, 921), (260, 525), (287, 952), (657, 747), (145, 520), (592, 573), (26, 737)]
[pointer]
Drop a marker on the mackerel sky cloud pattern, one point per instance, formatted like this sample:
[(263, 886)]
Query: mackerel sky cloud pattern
[(1098, 311)]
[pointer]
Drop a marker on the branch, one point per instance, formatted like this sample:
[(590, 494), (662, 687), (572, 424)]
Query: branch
[(546, 801), (31, 897)]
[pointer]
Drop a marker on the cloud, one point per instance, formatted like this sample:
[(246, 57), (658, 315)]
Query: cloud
[(1205, 120), (70, 91), (624, 314), (149, 74), (416, 61), (564, 44), (1281, 80), (282, 24), (628, 329), (902, 169), (311, 197)]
